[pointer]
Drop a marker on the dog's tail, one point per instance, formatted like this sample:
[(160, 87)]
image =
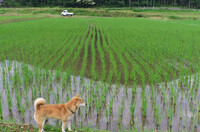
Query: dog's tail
[(38, 102)]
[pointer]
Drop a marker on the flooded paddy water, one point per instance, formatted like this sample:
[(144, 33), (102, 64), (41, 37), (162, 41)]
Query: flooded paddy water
[(168, 106)]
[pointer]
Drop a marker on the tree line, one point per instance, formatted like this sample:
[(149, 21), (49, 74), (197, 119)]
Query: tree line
[(101, 3)]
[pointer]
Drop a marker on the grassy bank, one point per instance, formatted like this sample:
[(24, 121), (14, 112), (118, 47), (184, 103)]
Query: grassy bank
[(109, 12), (14, 127)]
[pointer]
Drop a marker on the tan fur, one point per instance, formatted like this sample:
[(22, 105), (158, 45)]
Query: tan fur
[(56, 111), (38, 102)]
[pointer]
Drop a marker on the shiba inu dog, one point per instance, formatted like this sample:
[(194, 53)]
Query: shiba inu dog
[(62, 112)]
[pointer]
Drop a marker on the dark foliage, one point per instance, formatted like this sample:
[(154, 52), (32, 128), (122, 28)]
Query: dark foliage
[(101, 3)]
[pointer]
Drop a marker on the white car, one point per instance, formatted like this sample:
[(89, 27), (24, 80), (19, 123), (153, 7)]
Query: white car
[(66, 13)]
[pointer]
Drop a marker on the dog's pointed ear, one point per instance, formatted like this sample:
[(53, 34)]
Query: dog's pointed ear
[(77, 95)]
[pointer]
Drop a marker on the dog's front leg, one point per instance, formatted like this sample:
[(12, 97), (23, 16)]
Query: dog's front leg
[(63, 125), (69, 126)]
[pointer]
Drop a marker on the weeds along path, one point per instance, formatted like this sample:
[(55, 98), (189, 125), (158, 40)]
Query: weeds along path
[(21, 19)]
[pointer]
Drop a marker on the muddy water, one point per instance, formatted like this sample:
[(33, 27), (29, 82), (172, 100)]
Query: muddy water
[(59, 87)]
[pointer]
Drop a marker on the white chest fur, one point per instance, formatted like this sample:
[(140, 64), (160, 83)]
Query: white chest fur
[(70, 117)]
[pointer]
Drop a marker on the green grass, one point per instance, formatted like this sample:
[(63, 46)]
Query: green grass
[(11, 126)]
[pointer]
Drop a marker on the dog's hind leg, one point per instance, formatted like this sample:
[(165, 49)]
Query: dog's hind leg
[(43, 125), (40, 121), (40, 125), (63, 125)]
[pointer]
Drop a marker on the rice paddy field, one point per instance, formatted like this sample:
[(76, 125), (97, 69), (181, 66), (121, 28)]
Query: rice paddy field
[(134, 73)]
